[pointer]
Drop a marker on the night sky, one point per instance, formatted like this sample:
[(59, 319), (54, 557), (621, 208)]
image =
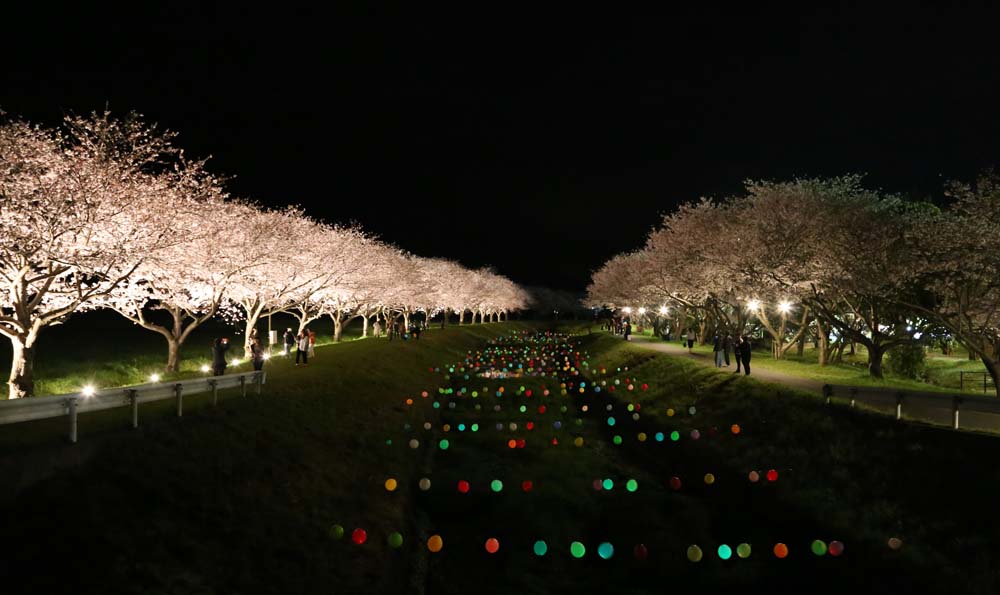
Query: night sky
[(539, 143)]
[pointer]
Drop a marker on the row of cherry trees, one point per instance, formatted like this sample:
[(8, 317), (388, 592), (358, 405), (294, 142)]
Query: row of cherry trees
[(109, 213), (828, 258)]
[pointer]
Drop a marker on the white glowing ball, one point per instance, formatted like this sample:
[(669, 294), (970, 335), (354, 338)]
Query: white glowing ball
[(154, 377), (88, 391), (205, 368), (235, 362)]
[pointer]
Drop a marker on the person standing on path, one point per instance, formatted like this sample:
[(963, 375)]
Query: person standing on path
[(717, 349), (745, 355), (627, 329), (257, 356), (303, 349), (737, 352), (377, 329), (312, 342), (219, 349), (289, 340), (727, 345), (690, 339)]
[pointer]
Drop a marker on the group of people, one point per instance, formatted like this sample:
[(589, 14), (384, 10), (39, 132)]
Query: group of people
[(619, 326), (397, 328), (723, 345), (220, 346), (304, 344)]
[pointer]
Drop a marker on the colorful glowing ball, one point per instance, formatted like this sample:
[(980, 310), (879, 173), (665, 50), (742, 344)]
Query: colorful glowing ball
[(709, 478), (598, 485), (521, 443), (437, 405), (359, 536), (512, 443), (695, 434), (735, 429), (443, 444), (390, 485), (631, 485), (670, 412), (836, 548), (659, 436), (463, 486), (577, 549), (754, 477), (780, 550), (694, 553), (608, 484), (578, 441), (337, 532), (540, 548), (409, 401), (675, 436), (527, 485), (513, 427), (725, 552), (427, 425), (605, 551), (475, 427), (640, 552), (395, 540), (772, 475), (557, 425), (424, 484), (435, 543), (895, 543), (496, 485), (414, 443), (743, 550), (423, 394), (611, 421), (692, 410), (492, 545), (617, 440), (818, 547), (675, 483), (641, 436)]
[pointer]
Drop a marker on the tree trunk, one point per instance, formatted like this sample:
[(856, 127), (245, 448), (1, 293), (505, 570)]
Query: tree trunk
[(993, 368), (406, 322), (173, 354), (364, 325), (823, 342), (461, 316), (338, 328), (801, 349), (875, 354), (22, 369), (248, 332)]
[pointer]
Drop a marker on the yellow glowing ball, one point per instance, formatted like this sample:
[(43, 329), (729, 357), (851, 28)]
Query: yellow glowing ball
[(435, 543), (390, 484)]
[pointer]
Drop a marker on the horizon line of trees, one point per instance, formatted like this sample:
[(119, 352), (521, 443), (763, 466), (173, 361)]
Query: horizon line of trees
[(109, 213), (826, 259)]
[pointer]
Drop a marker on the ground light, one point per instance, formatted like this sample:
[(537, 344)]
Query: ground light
[(753, 305), (784, 307), (88, 391), (204, 368), (154, 377)]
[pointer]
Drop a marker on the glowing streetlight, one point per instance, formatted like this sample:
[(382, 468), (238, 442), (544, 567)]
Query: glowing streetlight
[(205, 368), (235, 362), (785, 307), (753, 305), (266, 356), (663, 310), (88, 391), (642, 311), (627, 310), (154, 377)]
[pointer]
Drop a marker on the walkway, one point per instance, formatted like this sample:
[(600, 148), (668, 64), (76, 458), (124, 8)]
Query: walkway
[(938, 413)]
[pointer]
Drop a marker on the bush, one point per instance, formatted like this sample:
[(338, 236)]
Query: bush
[(907, 361)]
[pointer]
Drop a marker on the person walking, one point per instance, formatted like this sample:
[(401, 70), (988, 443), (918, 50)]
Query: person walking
[(416, 331), (627, 329), (312, 343), (745, 355), (377, 328), (727, 345), (219, 349), (302, 353), (737, 352), (289, 340), (690, 339), (257, 356), (718, 349)]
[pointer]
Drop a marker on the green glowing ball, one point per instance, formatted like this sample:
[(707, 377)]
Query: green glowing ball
[(606, 550), (725, 552), (632, 485), (337, 532), (577, 549), (475, 427), (743, 550), (818, 547), (437, 405), (611, 421), (694, 553), (617, 439), (395, 540), (496, 485), (607, 484), (541, 548), (675, 435), (443, 445)]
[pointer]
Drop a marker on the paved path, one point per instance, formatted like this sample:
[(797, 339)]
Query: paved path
[(934, 412)]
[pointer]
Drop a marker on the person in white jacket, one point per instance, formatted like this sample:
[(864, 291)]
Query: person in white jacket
[(302, 353)]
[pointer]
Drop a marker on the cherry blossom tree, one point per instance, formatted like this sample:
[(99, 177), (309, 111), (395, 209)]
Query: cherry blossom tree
[(80, 209)]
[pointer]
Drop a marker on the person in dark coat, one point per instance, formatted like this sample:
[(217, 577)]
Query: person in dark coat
[(257, 355), (289, 340), (745, 355), (219, 349), (737, 352), (627, 329), (717, 349), (727, 346)]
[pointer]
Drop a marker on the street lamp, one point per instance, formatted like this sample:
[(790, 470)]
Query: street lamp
[(642, 311), (753, 305), (88, 391), (663, 310), (627, 310), (154, 377), (785, 307)]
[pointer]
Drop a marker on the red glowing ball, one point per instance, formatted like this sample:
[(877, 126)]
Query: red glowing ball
[(530, 425), (640, 551), (541, 409), (675, 483), (492, 545), (835, 548), (463, 486), (521, 443), (645, 386), (555, 441), (772, 475), (527, 485), (527, 393), (359, 536)]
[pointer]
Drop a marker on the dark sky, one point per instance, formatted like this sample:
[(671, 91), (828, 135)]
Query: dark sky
[(538, 143)]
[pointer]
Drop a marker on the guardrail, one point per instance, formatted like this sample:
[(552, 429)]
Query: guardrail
[(72, 405), (926, 401), (962, 380)]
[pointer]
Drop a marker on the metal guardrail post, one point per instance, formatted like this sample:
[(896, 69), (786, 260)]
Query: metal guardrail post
[(179, 391), (828, 393), (259, 377), (133, 397), (71, 404), (899, 405), (961, 380), (955, 402), (854, 394), (215, 391), (243, 385)]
